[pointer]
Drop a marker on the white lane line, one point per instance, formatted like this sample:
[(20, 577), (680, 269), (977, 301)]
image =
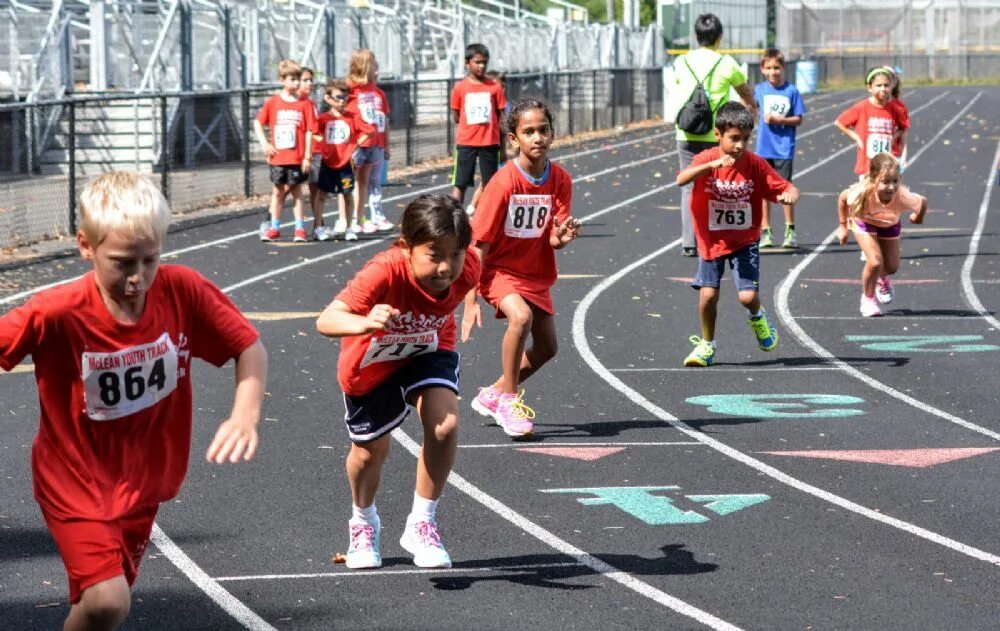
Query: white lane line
[(229, 603), (547, 443), (582, 557), (347, 573), (970, 292), (785, 314), (889, 317), (243, 235), (746, 369), (591, 360)]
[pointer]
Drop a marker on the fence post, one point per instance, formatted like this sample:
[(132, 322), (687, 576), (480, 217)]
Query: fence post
[(164, 148), (449, 85), (245, 125), (411, 117), (593, 100), (569, 97), (71, 147), (613, 93)]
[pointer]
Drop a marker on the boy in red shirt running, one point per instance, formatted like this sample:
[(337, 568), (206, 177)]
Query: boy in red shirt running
[(292, 123), (396, 320), (874, 125), (730, 186), (112, 354), (341, 132), (477, 107)]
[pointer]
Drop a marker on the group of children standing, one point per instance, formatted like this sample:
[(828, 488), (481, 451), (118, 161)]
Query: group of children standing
[(733, 187)]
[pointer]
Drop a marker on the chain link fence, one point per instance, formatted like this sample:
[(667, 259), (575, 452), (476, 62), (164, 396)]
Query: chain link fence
[(200, 146)]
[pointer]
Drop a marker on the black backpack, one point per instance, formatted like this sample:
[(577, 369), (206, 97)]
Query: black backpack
[(697, 115)]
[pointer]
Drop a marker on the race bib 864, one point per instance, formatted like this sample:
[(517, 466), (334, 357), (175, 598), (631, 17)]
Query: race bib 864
[(129, 380)]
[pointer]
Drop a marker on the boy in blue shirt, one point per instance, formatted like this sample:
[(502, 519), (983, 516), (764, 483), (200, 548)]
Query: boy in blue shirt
[(781, 109)]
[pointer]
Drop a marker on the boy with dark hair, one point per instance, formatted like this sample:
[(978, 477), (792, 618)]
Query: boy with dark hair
[(477, 105), (781, 109), (730, 186)]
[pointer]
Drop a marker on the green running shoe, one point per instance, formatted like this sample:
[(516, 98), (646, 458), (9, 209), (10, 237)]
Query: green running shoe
[(766, 240), (703, 354), (791, 240), (767, 335)]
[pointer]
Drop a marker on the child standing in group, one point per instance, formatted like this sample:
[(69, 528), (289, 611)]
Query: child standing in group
[(342, 132), (292, 123), (306, 83), (781, 109), (501, 79), (872, 124), (112, 354), (523, 217), (396, 318), (477, 107), (731, 184), (896, 102), (368, 102), (872, 208)]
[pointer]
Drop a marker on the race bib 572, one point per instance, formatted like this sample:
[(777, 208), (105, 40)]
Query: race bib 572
[(129, 380)]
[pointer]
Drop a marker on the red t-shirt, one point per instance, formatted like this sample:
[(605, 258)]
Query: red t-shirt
[(479, 106), (340, 137), (115, 428), (515, 217), (726, 203), (904, 115), (289, 122), (877, 127), (372, 106), (426, 323)]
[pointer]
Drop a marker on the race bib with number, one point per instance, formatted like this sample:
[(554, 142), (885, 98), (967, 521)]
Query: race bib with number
[(129, 380), (381, 122), (527, 216), (284, 136), (729, 215), (777, 104), (878, 143), (338, 132), (396, 346), (478, 108)]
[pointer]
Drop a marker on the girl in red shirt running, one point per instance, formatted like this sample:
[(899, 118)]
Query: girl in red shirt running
[(396, 318), (522, 218)]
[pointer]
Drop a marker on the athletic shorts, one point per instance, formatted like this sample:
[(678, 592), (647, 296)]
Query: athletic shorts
[(95, 551), (500, 284), (744, 262), (882, 232), (370, 416), (288, 174), (783, 167), (464, 172), (336, 181), (314, 168), (367, 155)]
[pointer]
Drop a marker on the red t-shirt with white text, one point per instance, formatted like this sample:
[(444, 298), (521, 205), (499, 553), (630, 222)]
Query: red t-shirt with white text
[(426, 323), (726, 204), (289, 122), (371, 105), (479, 107), (115, 427), (877, 127), (340, 137)]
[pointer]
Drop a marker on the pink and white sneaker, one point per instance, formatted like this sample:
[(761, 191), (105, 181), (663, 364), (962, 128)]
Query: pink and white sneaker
[(884, 292), (422, 540), (514, 416), (363, 552), (869, 307), (486, 401)]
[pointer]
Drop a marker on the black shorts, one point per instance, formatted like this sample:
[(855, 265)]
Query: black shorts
[(288, 174), (336, 181), (464, 171), (783, 167), (370, 416)]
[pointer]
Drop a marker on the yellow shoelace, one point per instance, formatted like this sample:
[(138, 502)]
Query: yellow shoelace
[(520, 408)]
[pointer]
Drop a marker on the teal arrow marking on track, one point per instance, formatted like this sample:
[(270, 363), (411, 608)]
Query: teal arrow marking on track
[(778, 405), (922, 343), (726, 504)]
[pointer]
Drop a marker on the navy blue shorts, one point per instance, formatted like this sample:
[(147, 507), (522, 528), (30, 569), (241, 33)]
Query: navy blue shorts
[(744, 262), (336, 181), (370, 416)]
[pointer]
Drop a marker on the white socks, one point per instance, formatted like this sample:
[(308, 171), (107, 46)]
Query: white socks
[(365, 515), (423, 509)]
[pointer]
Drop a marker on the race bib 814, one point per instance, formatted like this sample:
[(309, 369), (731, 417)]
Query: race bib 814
[(129, 380)]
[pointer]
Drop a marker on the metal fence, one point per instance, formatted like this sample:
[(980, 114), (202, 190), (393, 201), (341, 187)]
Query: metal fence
[(200, 146)]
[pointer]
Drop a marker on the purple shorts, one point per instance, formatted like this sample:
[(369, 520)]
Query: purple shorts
[(890, 232)]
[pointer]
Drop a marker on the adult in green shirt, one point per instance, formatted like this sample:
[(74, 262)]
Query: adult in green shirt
[(718, 73)]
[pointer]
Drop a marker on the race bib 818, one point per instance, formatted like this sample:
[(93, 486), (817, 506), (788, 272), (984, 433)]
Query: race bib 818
[(527, 216)]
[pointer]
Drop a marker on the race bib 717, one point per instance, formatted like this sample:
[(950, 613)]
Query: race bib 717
[(398, 346)]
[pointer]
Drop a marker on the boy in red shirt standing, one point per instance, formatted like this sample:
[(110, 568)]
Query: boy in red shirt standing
[(112, 354), (292, 123), (477, 105), (342, 132), (730, 186)]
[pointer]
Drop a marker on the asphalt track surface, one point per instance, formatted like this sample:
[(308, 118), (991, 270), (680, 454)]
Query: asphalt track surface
[(846, 480)]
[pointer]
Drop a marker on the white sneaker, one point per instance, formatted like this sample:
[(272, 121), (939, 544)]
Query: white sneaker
[(351, 236), (869, 307), (262, 230), (320, 233), (369, 227), (339, 229), (382, 224), (421, 539), (884, 292), (364, 551)]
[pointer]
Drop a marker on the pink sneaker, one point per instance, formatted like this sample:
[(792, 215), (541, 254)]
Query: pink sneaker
[(884, 292), (368, 227), (271, 234), (869, 307), (486, 401), (300, 235), (513, 415)]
